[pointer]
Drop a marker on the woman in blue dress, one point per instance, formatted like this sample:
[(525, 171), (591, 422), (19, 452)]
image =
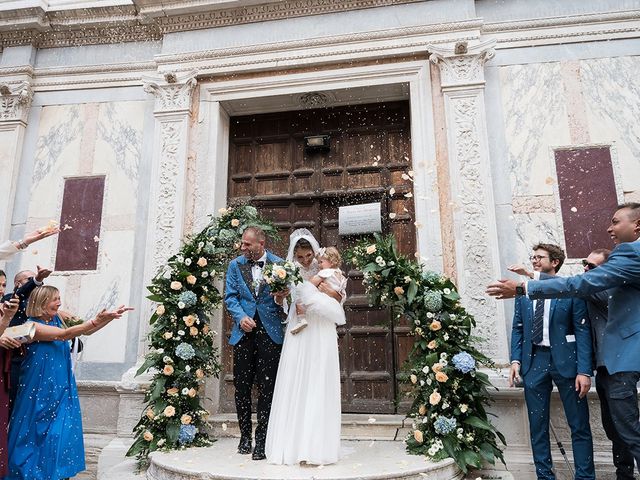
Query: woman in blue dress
[(45, 430)]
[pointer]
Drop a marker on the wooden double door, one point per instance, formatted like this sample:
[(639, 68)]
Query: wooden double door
[(369, 156)]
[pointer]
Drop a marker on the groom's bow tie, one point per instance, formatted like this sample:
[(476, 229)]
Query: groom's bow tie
[(258, 263)]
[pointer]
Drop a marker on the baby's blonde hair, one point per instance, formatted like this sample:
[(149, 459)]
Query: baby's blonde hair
[(333, 255)]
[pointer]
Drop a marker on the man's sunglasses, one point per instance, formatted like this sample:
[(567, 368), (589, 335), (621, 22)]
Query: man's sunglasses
[(588, 265)]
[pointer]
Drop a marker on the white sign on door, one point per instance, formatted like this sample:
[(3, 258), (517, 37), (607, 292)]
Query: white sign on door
[(354, 219)]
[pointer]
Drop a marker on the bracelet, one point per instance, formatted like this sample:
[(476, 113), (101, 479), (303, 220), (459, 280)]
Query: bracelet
[(21, 245)]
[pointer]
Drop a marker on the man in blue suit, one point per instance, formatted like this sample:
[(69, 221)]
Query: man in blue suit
[(551, 341), (621, 339), (256, 336)]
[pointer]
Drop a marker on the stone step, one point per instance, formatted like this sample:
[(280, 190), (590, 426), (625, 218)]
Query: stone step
[(362, 460), (355, 426)]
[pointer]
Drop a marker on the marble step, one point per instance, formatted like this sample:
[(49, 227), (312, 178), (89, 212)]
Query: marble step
[(380, 460), (354, 426)]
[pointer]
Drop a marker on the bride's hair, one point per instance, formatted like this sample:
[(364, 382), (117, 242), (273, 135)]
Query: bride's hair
[(302, 244)]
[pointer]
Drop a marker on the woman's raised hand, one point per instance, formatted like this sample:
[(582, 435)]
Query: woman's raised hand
[(39, 234), (104, 316)]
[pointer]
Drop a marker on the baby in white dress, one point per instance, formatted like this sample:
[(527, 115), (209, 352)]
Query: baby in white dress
[(329, 260)]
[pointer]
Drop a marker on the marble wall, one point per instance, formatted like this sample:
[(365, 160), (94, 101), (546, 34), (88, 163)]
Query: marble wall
[(560, 104), (85, 140)]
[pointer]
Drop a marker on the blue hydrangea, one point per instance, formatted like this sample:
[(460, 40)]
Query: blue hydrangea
[(433, 301), (188, 298), (464, 362), (226, 235), (187, 434), (430, 276), (444, 425), (185, 351)]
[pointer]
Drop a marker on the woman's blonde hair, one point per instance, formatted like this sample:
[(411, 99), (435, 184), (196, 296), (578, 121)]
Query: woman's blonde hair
[(333, 255), (39, 299)]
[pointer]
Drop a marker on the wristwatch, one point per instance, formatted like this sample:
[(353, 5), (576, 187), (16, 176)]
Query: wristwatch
[(520, 290)]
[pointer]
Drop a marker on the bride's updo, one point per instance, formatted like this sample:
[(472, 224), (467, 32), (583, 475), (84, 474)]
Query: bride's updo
[(302, 244)]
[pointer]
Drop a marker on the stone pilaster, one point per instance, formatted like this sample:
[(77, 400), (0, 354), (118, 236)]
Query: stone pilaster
[(475, 232), (15, 102), (172, 113)]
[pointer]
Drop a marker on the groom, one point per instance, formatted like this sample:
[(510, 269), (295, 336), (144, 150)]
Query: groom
[(256, 335)]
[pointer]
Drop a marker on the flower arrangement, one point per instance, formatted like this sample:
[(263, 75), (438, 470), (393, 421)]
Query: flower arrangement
[(281, 277), (450, 393), (182, 353)]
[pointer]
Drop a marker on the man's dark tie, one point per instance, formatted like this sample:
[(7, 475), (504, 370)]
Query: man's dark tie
[(258, 263), (538, 322)]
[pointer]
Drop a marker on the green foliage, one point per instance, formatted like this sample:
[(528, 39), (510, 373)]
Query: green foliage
[(182, 353), (441, 369)]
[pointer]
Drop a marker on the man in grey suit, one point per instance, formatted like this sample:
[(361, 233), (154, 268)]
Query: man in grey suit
[(620, 275)]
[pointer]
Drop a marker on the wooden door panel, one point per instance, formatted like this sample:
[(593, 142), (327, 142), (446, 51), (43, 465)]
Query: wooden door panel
[(370, 152)]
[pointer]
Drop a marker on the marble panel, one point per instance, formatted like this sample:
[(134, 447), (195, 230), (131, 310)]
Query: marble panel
[(611, 91), (92, 139), (531, 228), (535, 118)]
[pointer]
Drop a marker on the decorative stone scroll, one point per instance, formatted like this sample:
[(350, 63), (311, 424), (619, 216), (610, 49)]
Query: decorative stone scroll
[(15, 101), (462, 65), (462, 68), (174, 93)]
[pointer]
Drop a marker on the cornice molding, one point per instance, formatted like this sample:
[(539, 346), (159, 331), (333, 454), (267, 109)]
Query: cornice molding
[(266, 12), (327, 41), (547, 22), (105, 25)]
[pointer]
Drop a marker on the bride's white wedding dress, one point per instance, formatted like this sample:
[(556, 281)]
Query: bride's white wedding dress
[(304, 425)]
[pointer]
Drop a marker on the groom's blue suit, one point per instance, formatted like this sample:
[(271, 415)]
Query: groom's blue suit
[(256, 354), (570, 353), (621, 341), (242, 301)]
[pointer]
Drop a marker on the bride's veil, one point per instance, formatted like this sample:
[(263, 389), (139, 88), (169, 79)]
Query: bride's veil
[(296, 236)]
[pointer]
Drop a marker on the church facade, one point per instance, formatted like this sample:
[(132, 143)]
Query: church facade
[(481, 127)]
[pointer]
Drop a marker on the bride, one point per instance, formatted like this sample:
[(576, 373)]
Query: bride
[(304, 425)]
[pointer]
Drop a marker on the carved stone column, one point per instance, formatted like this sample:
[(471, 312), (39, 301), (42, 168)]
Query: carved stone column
[(477, 261), (172, 113), (15, 102)]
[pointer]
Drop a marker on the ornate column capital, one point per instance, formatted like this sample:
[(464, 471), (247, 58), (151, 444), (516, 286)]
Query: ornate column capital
[(15, 101), (173, 92), (462, 65)]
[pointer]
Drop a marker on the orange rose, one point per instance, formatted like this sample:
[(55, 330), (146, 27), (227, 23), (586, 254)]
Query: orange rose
[(189, 320), (417, 434), (435, 398), (437, 367), (435, 325), (191, 280), (148, 436), (398, 291), (414, 379), (422, 409), (202, 262), (441, 377), (432, 344), (169, 411), (193, 331), (185, 419), (167, 370), (175, 285), (172, 391)]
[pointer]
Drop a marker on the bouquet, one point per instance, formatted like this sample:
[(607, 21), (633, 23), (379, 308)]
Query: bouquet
[(281, 277)]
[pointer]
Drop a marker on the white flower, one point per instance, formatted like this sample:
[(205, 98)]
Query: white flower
[(443, 355), (160, 351), (425, 369), (167, 359), (161, 442), (452, 316), (446, 291), (429, 381), (204, 274), (445, 336), (464, 407), (201, 244), (430, 315), (417, 322), (187, 368), (181, 305), (445, 405), (167, 274), (180, 259), (185, 391), (181, 332)]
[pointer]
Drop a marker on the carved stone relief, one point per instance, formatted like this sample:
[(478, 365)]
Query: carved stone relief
[(15, 101)]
